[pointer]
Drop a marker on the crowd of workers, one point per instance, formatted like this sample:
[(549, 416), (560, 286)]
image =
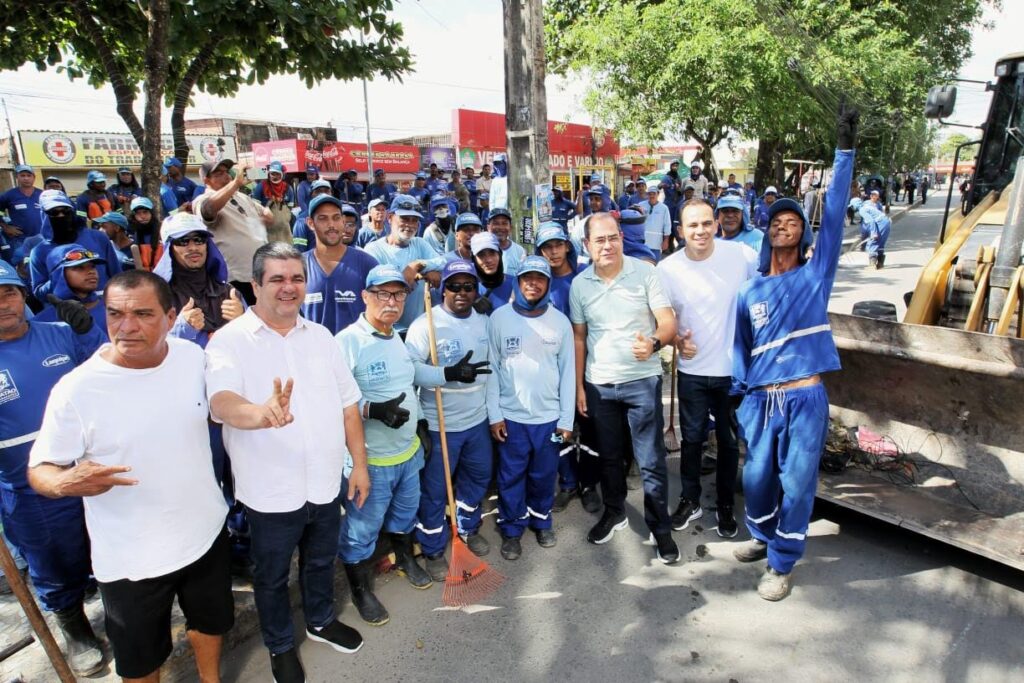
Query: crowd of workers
[(282, 391)]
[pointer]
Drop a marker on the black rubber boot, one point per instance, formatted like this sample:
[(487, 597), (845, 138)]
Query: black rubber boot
[(406, 563), (881, 261), (360, 580), (83, 648)]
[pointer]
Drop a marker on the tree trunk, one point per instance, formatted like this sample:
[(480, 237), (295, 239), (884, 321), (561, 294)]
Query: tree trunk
[(182, 94), (123, 93), (156, 83), (764, 172)]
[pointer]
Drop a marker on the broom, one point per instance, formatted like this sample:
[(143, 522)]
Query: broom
[(671, 440), (469, 579)]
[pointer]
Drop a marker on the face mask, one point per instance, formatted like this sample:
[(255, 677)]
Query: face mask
[(445, 223), (441, 212), (63, 226)]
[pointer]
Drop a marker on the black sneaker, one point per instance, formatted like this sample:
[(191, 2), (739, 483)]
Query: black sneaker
[(511, 547), (546, 538), (287, 668), (478, 545), (686, 512), (591, 500), (603, 531), (339, 636), (726, 522), (668, 551), (562, 499)]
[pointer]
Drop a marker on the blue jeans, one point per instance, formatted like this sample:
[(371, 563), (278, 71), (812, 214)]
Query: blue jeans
[(527, 462), (392, 505), (470, 459), (51, 535), (785, 433), (697, 396), (639, 404), (313, 529)]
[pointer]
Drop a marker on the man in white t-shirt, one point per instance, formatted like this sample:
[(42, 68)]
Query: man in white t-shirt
[(157, 533), (701, 282), (261, 368)]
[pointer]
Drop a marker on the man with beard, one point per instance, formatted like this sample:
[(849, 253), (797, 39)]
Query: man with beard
[(336, 271), (462, 352), (412, 255), (50, 534), (377, 212), (74, 277), (438, 234), (96, 200), (60, 221), (531, 403), (496, 286), (21, 204), (499, 224), (197, 274), (385, 373)]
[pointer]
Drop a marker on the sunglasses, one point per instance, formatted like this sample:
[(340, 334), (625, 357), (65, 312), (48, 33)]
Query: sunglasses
[(199, 240), (59, 213), (82, 255), (407, 206), (456, 287)]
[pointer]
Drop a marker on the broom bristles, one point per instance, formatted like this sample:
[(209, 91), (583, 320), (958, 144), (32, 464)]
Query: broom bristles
[(671, 440), (469, 579)]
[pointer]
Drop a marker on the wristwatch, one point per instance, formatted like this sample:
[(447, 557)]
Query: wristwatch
[(657, 344)]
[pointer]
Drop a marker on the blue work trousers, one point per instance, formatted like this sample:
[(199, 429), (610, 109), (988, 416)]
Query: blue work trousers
[(785, 432), (392, 505), (469, 457), (51, 535), (527, 462), (878, 236)]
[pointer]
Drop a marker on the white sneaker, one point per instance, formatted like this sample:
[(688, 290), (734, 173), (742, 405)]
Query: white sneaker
[(774, 586)]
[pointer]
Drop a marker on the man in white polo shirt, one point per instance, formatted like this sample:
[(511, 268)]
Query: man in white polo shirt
[(153, 508), (701, 281), (620, 319), (290, 409)]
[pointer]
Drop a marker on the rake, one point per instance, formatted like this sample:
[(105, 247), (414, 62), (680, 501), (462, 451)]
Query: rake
[(470, 579), (671, 440)]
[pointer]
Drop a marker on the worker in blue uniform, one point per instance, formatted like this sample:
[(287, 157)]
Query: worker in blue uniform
[(21, 206), (74, 276), (782, 346), (875, 227)]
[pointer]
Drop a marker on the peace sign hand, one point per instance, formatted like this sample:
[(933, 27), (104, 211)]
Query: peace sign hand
[(276, 411)]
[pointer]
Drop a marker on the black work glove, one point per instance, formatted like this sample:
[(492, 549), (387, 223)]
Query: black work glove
[(423, 432), (464, 371), (483, 305), (846, 126), (390, 412), (71, 312)]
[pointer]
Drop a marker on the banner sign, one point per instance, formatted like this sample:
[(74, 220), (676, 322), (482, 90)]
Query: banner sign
[(60, 149), (444, 157), (335, 157)]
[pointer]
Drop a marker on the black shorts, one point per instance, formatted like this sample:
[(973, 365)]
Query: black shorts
[(138, 613)]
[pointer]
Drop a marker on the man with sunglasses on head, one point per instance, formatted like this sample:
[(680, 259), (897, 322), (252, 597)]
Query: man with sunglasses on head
[(461, 335), (336, 270), (412, 255), (65, 227), (74, 276)]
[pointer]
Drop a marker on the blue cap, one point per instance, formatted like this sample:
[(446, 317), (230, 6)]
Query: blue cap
[(594, 190), (374, 202), (458, 266), (377, 172), (9, 276), (482, 241), (550, 230), (275, 167), (113, 217), (95, 177), (729, 201), (140, 203), (438, 198), (468, 219), (349, 210), (352, 171), (71, 255), (484, 195), (172, 161), (405, 205), (123, 169), (23, 168), (535, 264), (631, 217), (312, 168), (806, 235), (319, 183), (52, 199), (501, 211), (422, 175), (383, 274), (321, 199)]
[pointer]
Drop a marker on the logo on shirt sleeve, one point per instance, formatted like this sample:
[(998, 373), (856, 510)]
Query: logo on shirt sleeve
[(759, 314), (377, 372), (8, 389), (513, 346)]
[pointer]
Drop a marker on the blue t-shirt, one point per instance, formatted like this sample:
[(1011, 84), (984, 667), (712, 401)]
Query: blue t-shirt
[(502, 294), (23, 211), (782, 326), (562, 211), (183, 189), (386, 192), (29, 368), (335, 300)]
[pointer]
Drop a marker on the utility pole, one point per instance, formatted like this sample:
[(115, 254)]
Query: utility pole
[(366, 113), (526, 112), (10, 134)]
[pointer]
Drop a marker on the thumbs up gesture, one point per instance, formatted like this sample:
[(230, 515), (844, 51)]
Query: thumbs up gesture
[(192, 315), (684, 343), (643, 347), (232, 307)]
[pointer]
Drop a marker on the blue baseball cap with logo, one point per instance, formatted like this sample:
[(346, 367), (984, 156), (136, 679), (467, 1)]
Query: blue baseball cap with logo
[(95, 177), (535, 264), (467, 218), (550, 230), (275, 167), (383, 274), (458, 266), (9, 276), (319, 183), (405, 205), (500, 211), (53, 199), (312, 168), (113, 217), (141, 203), (729, 201)]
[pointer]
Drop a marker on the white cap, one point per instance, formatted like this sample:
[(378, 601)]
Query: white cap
[(771, 190)]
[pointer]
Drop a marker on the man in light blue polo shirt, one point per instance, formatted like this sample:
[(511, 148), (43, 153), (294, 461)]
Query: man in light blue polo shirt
[(621, 318)]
